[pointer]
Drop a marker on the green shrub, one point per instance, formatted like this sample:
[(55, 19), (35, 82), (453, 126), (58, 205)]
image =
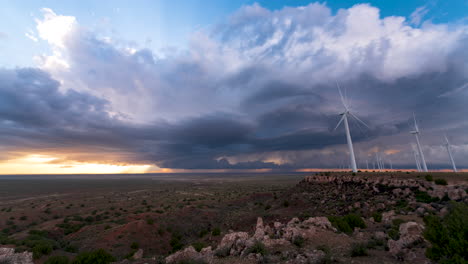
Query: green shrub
[(286, 203), (175, 242), (298, 241), (340, 224), (347, 223), (134, 245), (57, 260), (258, 248), (222, 252), (377, 217), (440, 182), (216, 231), (354, 220), (423, 197), (358, 250), (393, 234), (448, 235), (41, 248), (203, 233), (428, 177), (99, 256), (198, 246)]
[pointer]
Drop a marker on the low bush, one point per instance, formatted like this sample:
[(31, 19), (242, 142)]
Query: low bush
[(216, 231), (257, 248), (176, 243), (134, 245), (198, 246), (440, 182), (354, 220), (448, 235), (57, 260), (99, 256), (339, 223), (298, 241), (347, 223), (428, 177), (423, 197), (377, 217), (358, 250), (222, 252), (41, 248)]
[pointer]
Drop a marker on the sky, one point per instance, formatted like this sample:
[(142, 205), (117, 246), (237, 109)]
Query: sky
[(189, 86)]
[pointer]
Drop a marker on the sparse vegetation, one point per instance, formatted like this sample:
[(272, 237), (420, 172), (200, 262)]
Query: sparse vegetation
[(216, 231), (358, 250), (428, 178), (423, 197), (57, 260), (198, 246), (377, 217), (440, 181), (258, 248), (347, 223), (99, 256), (448, 235)]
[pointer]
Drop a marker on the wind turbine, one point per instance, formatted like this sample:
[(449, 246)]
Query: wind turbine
[(447, 145), (416, 157), (421, 154), (344, 118)]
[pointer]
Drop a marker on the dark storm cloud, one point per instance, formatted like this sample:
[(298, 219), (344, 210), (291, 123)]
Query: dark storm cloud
[(256, 92)]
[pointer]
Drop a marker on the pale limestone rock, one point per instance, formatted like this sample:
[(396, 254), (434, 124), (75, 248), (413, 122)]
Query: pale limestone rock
[(388, 216), (259, 229), (320, 221), (8, 255), (410, 234), (138, 254)]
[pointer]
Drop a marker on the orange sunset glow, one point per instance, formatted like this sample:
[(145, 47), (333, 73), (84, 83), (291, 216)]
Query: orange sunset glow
[(46, 164)]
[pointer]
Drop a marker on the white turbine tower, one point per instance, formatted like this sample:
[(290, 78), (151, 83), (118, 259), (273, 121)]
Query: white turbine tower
[(421, 154), (447, 145), (344, 117), (416, 157)]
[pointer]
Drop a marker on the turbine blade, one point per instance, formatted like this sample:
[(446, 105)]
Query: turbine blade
[(357, 118), (415, 123), (341, 96), (341, 120)]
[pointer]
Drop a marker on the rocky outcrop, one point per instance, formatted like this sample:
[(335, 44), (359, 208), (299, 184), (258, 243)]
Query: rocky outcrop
[(190, 254), (410, 236), (276, 236), (234, 243), (401, 187), (8, 255), (138, 254), (320, 222), (314, 256)]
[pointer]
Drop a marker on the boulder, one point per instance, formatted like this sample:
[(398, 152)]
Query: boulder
[(138, 254), (410, 234), (183, 255), (234, 242), (321, 222), (388, 216), (379, 235), (190, 254), (8, 255), (259, 229)]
